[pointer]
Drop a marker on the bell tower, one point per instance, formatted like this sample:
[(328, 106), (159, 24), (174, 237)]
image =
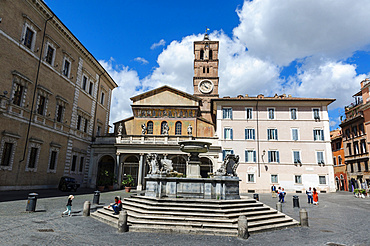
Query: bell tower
[(205, 80)]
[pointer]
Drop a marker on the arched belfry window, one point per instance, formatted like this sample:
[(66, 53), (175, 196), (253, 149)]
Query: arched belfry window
[(210, 55), (201, 54), (178, 127), (149, 127)]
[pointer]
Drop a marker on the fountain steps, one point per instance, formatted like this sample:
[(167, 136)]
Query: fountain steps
[(198, 216)]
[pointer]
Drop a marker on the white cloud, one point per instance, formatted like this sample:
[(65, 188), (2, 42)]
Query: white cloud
[(160, 43), (141, 60), (286, 30)]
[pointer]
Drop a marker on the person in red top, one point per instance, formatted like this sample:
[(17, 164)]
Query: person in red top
[(315, 196), (117, 205)]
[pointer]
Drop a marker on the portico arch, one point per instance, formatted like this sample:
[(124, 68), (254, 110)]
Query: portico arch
[(106, 166), (206, 166), (131, 167)]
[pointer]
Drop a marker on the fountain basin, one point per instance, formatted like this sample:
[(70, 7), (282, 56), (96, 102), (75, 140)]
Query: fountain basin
[(194, 146)]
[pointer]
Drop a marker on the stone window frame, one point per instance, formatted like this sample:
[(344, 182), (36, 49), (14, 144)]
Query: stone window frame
[(89, 77), (322, 162), (53, 147), (273, 113), (30, 24), (325, 182), (85, 116), (8, 138), (254, 178), (295, 179), (292, 135), (178, 128), (42, 91), (103, 95), (294, 161), (60, 101), (79, 163), (33, 143), (19, 79), (274, 181), (254, 156), (54, 45), (67, 57), (70, 169), (78, 153), (249, 116), (317, 116), (296, 113)]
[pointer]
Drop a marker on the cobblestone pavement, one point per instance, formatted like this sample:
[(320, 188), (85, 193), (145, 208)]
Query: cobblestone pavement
[(338, 219)]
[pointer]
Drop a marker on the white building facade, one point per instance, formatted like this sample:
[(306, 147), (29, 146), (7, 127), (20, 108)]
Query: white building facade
[(280, 140)]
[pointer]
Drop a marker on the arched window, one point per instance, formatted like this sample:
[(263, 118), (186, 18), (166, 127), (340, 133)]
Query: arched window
[(178, 127), (210, 55), (149, 127), (201, 54), (164, 128)]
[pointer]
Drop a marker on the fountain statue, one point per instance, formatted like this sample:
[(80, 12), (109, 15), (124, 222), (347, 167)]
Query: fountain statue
[(160, 182)]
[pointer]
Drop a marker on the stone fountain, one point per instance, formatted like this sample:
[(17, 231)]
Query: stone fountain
[(223, 185)]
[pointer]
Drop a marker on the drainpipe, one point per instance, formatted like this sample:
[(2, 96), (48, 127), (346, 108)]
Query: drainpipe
[(33, 98), (258, 144), (96, 108)]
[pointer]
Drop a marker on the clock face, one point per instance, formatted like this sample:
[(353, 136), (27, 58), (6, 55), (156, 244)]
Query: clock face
[(205, 86)]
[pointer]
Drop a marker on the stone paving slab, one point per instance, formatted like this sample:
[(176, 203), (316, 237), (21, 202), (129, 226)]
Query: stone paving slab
[(339, 218)]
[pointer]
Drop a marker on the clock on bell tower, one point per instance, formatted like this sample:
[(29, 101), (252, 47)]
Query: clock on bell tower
[(205, 80)]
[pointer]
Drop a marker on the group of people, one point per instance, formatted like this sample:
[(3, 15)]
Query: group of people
[(280, 192), (116, 206), (312, 195)]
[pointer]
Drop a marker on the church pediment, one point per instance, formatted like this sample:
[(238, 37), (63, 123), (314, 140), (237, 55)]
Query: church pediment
[(165, 96)]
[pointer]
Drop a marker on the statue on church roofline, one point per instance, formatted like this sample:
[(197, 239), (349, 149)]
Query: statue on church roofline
[(190, 130), (143, 129), (120, 129)]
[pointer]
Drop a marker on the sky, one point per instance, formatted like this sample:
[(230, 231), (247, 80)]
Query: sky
[(316, 48)]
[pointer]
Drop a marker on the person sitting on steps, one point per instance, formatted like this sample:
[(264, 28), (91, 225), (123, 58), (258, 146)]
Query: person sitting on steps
[(117, 205)]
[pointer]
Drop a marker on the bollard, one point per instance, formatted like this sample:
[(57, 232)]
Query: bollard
[(279, 207), (303, 216), (256, 196), (86, 211), (31, 203), (295, 202), (122, 221), (243, 227), (96, 197)]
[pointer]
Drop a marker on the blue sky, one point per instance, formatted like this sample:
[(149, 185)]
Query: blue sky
[(317, 48)]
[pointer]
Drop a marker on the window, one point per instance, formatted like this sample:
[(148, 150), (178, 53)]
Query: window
[(250, 156), (149, 127), (334, 161), (178, 127), (272, 134), (53, 159), (227, 113), (339, 160), (293, 113), (354, 130), (355, 148), (41, 105), (91, 87), (358, 166), (66, 68), (322, 180), (320, 157), (361, 129), (28, 38), (316, 113), (337, 145), (86, 125), (271, 113), (298, 179), (74, 162), (348, 133), (49, 57), (79, 118), (227, 152), (250, 177), (248, 113), (18, 94), (274, 178), (366, 166), (210, 55), (296, 157), (273, 156), (33, 157), (228, 133), (363, 147), (7, 154), (84, 83), (349, 149), (295, 134), (60, 110), (249, 134), (102, 98), (98, 131), (81, 164), (351, 167), (201, 54), (318, 135)]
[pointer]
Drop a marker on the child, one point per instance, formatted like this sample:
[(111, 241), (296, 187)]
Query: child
[(117, 206), (69, 206)]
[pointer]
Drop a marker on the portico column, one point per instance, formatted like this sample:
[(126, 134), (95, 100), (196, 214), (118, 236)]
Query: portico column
[(118, 170), (140, 177)]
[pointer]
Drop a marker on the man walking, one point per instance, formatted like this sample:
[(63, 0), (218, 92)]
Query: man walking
[(309, 196), (273, 191)]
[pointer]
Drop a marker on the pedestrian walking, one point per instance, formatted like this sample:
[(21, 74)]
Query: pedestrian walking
[(273, 191), (69, 206), (282, 194), (309, 196), (278, 193), (315, 197)]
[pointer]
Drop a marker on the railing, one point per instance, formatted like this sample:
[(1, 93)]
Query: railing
[(160, 139), (354, 104)]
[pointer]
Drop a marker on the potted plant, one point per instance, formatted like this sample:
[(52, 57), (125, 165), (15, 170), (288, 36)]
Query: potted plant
[(128, 182), (100, 185)]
